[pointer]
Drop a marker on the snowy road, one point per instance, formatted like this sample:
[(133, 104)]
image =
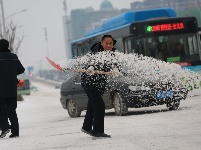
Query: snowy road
[(45, 125)]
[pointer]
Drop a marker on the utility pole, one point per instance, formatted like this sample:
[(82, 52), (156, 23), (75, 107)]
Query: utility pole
[(46, 40), (65, 7), (3, 21), (66, 30)]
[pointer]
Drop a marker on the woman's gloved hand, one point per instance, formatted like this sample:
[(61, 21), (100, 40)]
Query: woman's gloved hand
[(90, 70), (116, 72)]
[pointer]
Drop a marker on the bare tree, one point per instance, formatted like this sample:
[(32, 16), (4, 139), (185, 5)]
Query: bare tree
[(14, 39)]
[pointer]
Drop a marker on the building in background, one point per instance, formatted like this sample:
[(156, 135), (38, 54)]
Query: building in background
[(84, 20), (81, 21), (182, 7)]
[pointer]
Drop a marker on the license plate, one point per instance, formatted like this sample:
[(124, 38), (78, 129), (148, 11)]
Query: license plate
[(164, 94)]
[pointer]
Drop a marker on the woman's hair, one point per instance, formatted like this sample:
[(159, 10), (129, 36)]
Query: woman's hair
[(109, 36)]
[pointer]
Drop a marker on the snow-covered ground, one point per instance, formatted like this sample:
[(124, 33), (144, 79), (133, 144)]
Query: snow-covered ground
[(45, 125)]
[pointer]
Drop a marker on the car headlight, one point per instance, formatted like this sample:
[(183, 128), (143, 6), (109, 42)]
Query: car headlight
[(146, 88), (139, 88)]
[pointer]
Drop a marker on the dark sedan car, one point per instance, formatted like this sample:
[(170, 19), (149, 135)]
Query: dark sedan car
[(127, 91)]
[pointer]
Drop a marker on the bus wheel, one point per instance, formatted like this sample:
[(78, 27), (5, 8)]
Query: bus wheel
[(73, 110), (119, 105), (173, 105)]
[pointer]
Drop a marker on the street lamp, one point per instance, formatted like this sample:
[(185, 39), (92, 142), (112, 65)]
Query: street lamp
[(16, 13), (3, 19)]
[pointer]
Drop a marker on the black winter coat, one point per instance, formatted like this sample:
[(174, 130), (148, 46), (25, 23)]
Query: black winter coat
[(10, 67), (97, 81)]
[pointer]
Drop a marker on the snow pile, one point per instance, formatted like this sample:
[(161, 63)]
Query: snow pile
[(146, 67)]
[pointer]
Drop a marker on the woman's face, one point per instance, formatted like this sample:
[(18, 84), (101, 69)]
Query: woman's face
[(107, 44)]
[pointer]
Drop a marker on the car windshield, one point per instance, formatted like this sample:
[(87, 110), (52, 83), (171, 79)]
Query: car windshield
[(139, 67), (147, 69)]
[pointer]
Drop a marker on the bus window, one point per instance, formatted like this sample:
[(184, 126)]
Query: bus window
[(119, 45), (154, 47), (87, 49), (141, 46), (193, 48), (80, 51), (128, 46), (183, 48), (199, 43), (74, 52)]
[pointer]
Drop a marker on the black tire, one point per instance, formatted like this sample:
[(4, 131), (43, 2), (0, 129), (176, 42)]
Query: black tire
[(184, 93), (173, 105), (73, 111), (119, 105)]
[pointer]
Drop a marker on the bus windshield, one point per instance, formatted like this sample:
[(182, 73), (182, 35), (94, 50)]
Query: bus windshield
[(181, 48)]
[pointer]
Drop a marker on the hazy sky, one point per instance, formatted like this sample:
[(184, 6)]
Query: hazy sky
[(48, 14)]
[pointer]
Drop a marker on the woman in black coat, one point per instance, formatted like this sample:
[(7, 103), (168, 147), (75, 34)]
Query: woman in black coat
[(94, 86)]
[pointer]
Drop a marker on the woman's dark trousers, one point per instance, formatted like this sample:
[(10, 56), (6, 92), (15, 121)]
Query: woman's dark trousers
[(95, 111)]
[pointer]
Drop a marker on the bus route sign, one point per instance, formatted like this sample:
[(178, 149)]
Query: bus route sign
[(165, 27)]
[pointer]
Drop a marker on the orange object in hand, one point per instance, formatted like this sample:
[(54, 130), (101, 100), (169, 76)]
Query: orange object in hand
[(20, 83)]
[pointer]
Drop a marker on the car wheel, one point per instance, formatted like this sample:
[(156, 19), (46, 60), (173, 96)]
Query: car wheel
[(173, 105), (73, 111), (183, 93), (119, 105)]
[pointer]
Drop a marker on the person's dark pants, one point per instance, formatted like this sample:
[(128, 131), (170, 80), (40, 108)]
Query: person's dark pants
[(2, 116), (95, 111), (8, 107)]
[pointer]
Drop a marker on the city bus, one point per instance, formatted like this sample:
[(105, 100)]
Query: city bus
[(157, 33)]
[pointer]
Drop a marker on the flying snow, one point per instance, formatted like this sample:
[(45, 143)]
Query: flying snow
[(143, 66)]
